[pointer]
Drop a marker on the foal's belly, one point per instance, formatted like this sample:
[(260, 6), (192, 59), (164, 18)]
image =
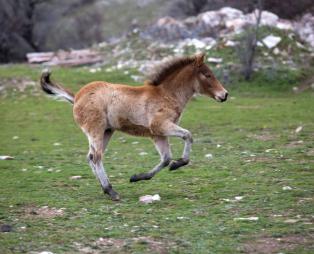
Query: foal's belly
[(127, 126)]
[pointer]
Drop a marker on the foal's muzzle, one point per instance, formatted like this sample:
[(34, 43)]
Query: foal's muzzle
[(222, 96)]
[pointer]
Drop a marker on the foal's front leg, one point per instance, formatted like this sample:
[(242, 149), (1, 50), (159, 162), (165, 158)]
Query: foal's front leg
[(171, 129), (162, 146)]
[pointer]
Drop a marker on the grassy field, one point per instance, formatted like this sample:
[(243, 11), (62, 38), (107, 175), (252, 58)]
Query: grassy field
[(260, 167)]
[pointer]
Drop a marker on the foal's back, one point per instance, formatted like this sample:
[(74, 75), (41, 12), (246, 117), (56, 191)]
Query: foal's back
[(101, 105)]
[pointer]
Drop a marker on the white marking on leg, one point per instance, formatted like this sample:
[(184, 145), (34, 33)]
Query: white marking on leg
[(163, 148), (96, 148), (177, 131)]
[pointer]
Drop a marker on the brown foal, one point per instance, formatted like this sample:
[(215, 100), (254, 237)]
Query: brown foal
[(151, 110)]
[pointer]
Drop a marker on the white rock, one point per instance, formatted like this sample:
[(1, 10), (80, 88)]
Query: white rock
[(46, 252), (214, 60), (269, 19), (236, 25), (147, 199), (238, 198), (286, 188), (299, 45), (270, 150), (209, 156), (230, 43), (143, 153), (135, 143), (198, 44), (284, 25), (259, 44), (6, 157), (246, 219), (231, 13), (56, 144), (226, 199), (271, 41), (75, 177), (297, 130), (276, 51), (210, 18), (15, 137)]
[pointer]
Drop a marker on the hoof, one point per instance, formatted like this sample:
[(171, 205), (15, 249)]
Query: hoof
[(178, 163), (114, 196), (139, 177)]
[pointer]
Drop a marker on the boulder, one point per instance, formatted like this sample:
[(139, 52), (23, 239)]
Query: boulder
[(305, 28)]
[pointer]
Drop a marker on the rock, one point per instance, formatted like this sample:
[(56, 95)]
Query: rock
[(299, 129), (75, 177), (305, 28), (6, 157), (284, 24), (147, 199), (214, 60), (209, 156), (286, 188), (143, 153), (231, 13), (271, 41), (246, 219), (238, 198), (269, 19), (230, 43), (236, 25), (276, 51)]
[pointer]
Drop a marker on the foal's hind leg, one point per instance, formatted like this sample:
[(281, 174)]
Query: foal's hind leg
[(163, 148), (97, 145)]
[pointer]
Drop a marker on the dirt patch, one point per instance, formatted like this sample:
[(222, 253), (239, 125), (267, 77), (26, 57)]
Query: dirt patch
[(295, 144), (119, 245), (19, 84), (43, 212), (310, 152), (267, 245), (264, 136)]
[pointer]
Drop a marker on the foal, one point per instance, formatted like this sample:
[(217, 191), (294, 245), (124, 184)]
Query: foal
[(152, 110)]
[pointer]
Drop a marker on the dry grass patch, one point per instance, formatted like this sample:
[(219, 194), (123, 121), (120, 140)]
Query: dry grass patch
[(268, 245), (43, 212)]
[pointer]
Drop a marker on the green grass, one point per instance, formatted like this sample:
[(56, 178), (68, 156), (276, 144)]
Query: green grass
[(193, 215)]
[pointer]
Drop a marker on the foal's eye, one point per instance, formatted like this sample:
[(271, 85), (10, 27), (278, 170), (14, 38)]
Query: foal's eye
[(207, 75)]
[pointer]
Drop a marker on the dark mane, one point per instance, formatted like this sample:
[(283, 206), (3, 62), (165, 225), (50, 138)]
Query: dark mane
[(163, 70)]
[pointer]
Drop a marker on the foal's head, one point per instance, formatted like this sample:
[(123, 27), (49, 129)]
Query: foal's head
[(207, 83)]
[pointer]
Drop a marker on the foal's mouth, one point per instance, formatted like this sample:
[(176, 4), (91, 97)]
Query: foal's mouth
[(221, 98)]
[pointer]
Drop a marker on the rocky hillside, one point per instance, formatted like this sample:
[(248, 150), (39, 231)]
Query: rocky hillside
[(41, 25)]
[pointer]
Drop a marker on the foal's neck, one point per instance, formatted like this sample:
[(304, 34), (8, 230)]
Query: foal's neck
[(180, 89)]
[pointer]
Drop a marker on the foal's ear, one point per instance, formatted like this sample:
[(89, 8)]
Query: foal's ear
[(199, 59)]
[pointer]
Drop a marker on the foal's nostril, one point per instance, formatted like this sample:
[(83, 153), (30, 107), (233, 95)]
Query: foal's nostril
[(226, 95)]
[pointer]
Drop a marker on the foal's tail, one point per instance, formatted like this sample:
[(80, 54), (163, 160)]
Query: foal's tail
[(54, 89)]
